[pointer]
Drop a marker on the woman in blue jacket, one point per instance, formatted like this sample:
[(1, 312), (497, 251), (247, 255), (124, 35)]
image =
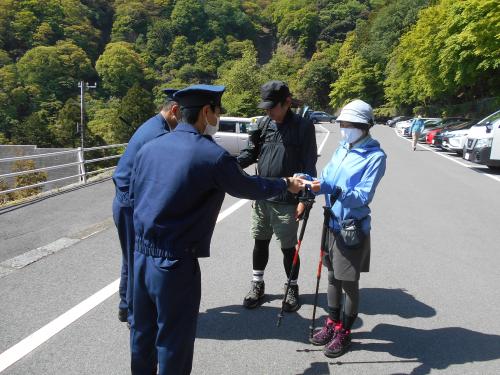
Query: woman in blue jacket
[(416, 128), (348, 181)]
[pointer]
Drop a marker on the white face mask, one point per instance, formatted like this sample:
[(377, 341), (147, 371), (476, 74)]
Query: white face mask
[(351, 135), (211, 129)]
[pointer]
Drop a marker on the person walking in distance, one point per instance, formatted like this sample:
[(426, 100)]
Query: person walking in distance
[(416, 128), (284, 144), (349, 182)]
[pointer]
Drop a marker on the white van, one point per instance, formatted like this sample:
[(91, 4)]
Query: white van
[(482, 145), (233, 133)]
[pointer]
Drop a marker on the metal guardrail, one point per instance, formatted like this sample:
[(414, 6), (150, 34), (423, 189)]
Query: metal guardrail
[(81, 163)]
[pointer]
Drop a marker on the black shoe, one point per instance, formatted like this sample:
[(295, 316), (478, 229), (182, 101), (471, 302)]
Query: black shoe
[(292, 299), (122, 315), (255, 295)]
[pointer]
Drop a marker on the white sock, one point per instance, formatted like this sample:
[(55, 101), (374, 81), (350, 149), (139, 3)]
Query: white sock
[(293, 282), (258, 275)]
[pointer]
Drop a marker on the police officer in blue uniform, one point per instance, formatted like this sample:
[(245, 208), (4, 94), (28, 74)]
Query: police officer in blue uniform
[(157, 125), (178, 184)]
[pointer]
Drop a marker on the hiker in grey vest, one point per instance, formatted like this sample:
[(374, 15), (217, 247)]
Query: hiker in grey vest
[(284, 144)]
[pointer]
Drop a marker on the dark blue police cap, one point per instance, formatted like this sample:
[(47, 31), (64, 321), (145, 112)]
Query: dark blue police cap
[(199, 95), (169, 94)]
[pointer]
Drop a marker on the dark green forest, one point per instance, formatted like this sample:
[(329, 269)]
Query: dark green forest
[(399, 55)]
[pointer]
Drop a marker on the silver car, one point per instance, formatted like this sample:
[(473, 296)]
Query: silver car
[(233, 133)]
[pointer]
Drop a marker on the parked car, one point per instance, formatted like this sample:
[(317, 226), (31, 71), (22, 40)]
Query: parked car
[(318, 116), (400, 126), (404, 127), (429, 133), (478, 146), (233, 133), (454, 141), (393, 121), (437, 140)]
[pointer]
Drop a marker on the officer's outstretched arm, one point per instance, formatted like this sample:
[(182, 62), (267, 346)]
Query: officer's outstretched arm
[(233, 180)]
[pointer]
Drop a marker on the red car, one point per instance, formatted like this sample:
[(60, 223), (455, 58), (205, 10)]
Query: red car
[(445, 124), (430, 135)]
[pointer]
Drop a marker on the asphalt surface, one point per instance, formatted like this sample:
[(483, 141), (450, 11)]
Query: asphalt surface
[(430, 303)]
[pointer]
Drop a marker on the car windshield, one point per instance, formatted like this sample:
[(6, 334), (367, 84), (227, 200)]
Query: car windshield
[(491, 118), (462, 125)]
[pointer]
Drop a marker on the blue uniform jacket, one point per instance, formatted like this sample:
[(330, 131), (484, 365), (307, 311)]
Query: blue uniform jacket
[(152, 128), (357, 171), (177, 188)]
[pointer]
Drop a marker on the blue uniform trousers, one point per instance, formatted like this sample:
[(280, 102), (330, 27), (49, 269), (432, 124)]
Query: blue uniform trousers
[(166, 301), (124, 221)]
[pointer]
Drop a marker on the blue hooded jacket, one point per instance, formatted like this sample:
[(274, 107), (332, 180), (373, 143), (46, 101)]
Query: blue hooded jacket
[(357, 171)]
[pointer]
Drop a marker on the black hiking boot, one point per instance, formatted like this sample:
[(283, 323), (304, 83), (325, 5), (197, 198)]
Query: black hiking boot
[(292, 299), (255, 295)]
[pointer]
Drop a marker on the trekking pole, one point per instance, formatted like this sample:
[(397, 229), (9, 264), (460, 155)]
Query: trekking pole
[(326, 219), (308, 203)]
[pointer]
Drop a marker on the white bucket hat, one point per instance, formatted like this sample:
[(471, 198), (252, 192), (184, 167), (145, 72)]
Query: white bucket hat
[(357, 111)]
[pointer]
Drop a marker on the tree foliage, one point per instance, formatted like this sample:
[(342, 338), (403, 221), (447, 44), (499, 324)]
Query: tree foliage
[(120, 67), (452, 51), (394, 54), (54, 70)]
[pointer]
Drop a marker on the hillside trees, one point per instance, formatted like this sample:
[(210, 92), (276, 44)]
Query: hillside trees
[(395, 54), (27, 24), (120, 67), (242, 79), (452, 51), (54, 71)]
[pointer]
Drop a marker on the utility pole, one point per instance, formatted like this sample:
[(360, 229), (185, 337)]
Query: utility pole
[(81, 157), (83, 85)]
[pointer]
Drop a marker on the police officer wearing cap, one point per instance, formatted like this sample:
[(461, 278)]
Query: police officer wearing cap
[(157, 125), (177, 188)]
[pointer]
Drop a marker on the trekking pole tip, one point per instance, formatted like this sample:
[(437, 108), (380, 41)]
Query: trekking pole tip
[(280, 316)]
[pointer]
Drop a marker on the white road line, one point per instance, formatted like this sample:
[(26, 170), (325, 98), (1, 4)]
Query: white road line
[(30, 343), (228, 211), (496, 178), (324, 140)]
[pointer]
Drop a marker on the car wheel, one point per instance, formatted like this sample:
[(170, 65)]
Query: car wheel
[(332, 120), (315, 121)]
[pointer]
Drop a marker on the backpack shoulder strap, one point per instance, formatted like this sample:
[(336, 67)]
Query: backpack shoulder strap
[(263, 125)]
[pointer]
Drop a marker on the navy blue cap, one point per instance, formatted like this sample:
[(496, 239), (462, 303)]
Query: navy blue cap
[(199, 95), (169, 93)]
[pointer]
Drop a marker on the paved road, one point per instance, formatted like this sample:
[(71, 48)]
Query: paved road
[(429, 305)]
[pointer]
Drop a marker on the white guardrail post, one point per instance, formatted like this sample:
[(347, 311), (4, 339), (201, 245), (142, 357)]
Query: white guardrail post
[(81, 165)]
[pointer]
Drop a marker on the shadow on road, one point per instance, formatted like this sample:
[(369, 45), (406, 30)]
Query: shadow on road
[(429, 349), (434, 349), (234, 322), (379, 301)]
